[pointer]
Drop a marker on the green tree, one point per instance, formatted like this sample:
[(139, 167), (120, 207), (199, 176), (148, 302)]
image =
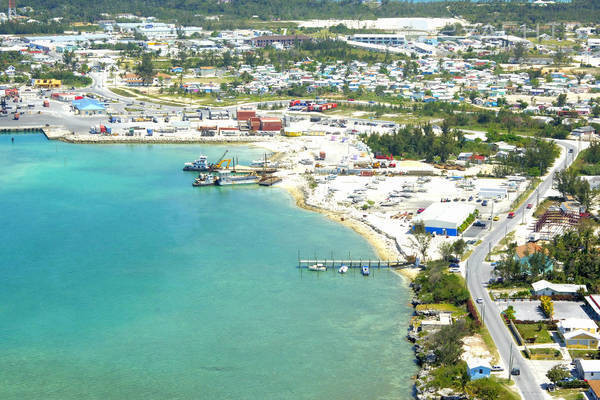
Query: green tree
[(446, 250), (145, 69), (558, 373)]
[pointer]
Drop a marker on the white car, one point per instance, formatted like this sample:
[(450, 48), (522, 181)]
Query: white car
[(479, 300)]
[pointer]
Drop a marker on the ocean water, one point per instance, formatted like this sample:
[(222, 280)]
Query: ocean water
[(119, 280)]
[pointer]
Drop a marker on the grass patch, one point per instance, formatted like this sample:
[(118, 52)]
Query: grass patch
[(490, 344), (585, 354), (445, 307), (518, 202), (530, 331), (122, 92), (545, 354), (569, 394), (543, 207)]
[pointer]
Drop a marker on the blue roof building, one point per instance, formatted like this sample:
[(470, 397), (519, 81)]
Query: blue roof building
[(478, 369), (87, 106)]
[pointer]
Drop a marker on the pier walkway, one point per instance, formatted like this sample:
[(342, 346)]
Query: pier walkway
[(353, 263)]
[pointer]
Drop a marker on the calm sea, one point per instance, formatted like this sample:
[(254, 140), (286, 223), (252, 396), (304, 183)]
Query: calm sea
[(119, 280)]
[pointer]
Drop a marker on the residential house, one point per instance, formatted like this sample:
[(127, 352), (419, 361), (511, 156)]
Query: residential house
[(588, 370), (524, 252), (593, 300), (584, 132), (46, 83), (162, 79), (580, 339), (572, 324), (478, 368), (545, 288), (594, 390), (133, 80), (10, 71)]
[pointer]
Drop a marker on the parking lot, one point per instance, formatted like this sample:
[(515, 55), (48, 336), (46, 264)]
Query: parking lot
[(530, 310)]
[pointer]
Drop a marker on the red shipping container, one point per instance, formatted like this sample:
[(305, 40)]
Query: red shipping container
[(245, 115)]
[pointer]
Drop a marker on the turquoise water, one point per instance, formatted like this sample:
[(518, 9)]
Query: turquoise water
[(119, 280)]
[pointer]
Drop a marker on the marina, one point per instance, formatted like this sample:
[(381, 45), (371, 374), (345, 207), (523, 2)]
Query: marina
[(333, 264)]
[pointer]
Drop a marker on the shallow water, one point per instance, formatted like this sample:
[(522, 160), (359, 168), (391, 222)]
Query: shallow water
[(119, 280)]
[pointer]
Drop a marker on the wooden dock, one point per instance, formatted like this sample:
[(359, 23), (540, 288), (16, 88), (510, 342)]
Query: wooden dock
[(353, 263)]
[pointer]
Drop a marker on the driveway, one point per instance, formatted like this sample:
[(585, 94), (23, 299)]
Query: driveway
[(530, 310)]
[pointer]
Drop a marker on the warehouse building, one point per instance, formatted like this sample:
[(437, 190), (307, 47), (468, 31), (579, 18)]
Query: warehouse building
[(493, 193), (445, 218), (285, 40), (381, 38)]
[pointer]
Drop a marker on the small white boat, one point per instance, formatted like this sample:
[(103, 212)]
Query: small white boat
[(317, 267), (343, 269)]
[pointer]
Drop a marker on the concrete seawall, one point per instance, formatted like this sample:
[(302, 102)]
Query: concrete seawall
[(62, 134)]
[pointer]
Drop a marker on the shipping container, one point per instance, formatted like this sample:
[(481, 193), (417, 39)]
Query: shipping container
[(245, 114)]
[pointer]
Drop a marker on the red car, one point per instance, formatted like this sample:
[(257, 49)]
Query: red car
[(529, 206), (420, 210)]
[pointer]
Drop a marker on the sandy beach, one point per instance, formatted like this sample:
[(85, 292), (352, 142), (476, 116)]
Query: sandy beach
[(384, 247)]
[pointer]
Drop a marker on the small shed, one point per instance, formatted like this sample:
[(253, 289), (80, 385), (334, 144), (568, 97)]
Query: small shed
[(478, 368)]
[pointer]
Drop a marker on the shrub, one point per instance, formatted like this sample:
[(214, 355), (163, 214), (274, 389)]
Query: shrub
[(547, 306), (576, 384)]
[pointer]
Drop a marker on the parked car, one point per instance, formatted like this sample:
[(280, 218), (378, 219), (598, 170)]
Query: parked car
[(420, 210), (511, 214), (479, 224), (454, 260), (497, 368), (479, 300), (496, 218), (529, 206), (515, 371), (454, 265), (484, 203)]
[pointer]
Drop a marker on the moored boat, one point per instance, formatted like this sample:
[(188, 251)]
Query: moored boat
[(317, 267), (225, 178), (365, 270), (201, 164), (343, 269), (204, 180)]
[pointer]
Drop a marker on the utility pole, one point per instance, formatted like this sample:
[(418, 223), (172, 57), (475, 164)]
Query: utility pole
[(510, 361), (483, 313)]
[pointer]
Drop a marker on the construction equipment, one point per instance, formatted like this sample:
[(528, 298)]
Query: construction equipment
[(222, 157), (219, 165)]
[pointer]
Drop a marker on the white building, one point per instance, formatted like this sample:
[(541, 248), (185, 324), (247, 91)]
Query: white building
[(445, 218), (588, 369), (545, 288)]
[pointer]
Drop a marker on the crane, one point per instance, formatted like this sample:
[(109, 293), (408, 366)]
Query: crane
[(217, 165)]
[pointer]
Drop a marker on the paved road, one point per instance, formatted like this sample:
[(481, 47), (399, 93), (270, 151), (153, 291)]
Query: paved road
[(479, 272)]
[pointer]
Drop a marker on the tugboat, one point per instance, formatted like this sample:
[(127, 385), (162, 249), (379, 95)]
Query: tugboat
[(365, 270), (201, 164), (204, 180)]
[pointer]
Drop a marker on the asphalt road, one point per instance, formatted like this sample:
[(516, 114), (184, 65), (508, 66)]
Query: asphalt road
[(478, 272)]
